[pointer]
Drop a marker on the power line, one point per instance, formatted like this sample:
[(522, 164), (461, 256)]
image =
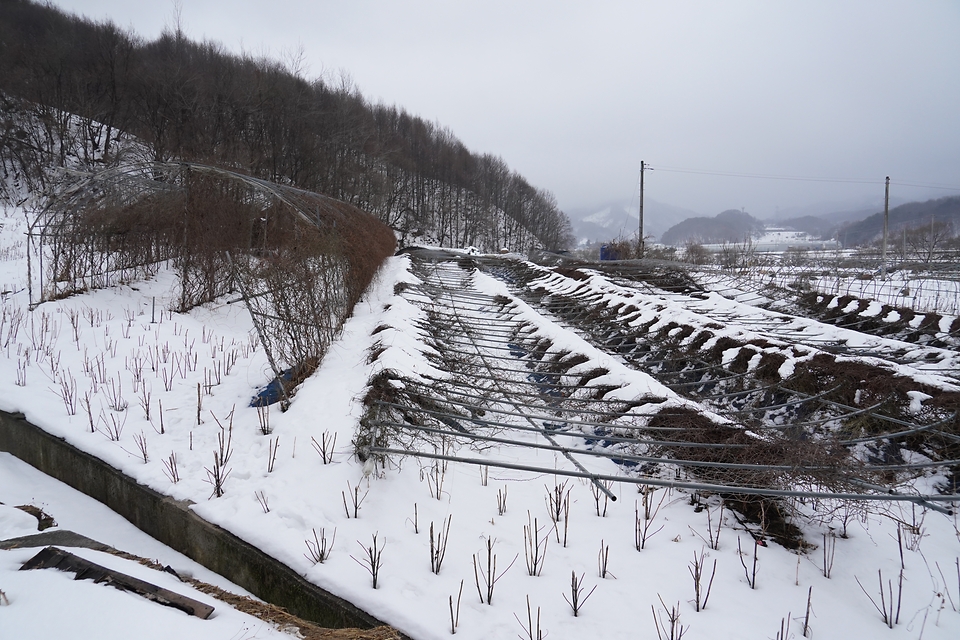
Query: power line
[(926, 185), (732, 174)]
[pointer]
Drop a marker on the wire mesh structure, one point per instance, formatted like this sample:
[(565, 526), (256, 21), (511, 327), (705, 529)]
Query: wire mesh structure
[(300, 260), (817, 433)]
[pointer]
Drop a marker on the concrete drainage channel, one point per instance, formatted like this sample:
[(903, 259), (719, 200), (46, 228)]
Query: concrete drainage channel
[(174, 524)]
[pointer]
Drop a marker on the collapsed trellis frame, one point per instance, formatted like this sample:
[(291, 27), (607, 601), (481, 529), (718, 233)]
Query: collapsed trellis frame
[(453, 410)]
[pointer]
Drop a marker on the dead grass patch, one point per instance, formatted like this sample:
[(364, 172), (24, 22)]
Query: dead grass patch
[(271, 613)]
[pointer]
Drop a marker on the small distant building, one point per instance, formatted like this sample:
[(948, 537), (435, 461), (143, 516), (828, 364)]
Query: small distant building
[(777, 239)]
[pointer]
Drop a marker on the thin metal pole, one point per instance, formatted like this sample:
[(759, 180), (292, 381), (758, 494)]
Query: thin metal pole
[(285, 402), (886, 215), (640, 239)]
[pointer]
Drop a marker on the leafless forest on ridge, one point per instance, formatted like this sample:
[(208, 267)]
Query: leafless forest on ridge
[(197, 102)]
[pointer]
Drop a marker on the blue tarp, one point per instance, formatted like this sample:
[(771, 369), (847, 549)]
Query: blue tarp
[(608, 253), (273, 392)]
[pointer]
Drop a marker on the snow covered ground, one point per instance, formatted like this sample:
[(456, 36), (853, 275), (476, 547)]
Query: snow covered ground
[(50, 604), (923, 292), (102, 371)]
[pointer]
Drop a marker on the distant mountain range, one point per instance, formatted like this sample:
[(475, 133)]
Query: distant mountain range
[(852, 228), (676, 226), (614, 220), (907, 216), (728, 226)]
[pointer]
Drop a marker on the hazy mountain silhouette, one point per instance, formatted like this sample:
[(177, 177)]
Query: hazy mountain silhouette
[(728, 226), (612, 220), (905, 216)]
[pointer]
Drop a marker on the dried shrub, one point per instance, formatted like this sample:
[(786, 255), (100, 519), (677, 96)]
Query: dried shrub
[(769, 514), (931, 322), (773, 462), (664, 331), (300, 259), (860, 383), (740, 363), (574, 274), (591, 375), (769, 368), (701, 339), (722, 344)]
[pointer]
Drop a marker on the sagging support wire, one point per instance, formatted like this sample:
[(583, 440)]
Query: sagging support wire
[(890, 419), (697, 383), (449, 345), (616, 456), (885, 436), (499, 339), (760, 409), (744, 295), (923, 503), (600, 486), (423, 298), (841, 349), (498, 345), (813, 423), (838, 347), (573, 309), (447, 317), (488, 299), (496, 332), (613, 456), (565, 302), (661, 429), (848, 325), (540, 385), (890, 496), (746, 392), (434, 309), (529, 372), (554, 410), (566, 305), (678, 372), (558, 431), (491, 304), (901, 434)]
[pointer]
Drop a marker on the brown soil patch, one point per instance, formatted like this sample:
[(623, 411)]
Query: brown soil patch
[(574, 274), (273, 614), (44, 519)]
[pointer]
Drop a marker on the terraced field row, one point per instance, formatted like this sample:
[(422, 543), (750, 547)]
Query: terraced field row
[(646, 377)]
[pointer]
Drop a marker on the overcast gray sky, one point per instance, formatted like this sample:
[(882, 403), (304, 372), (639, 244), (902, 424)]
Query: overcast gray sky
[(574, 95)]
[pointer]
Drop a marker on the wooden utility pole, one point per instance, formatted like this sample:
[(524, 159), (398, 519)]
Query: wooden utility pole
[(886, 215), (640, 238)]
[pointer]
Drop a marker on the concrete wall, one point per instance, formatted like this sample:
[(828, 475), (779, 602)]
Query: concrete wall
[(173, 523)]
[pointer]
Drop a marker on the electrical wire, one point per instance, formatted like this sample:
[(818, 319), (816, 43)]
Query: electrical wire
[(734, 174)]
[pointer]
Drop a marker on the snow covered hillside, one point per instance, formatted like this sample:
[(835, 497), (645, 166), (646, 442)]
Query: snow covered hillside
[(491, 401)]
